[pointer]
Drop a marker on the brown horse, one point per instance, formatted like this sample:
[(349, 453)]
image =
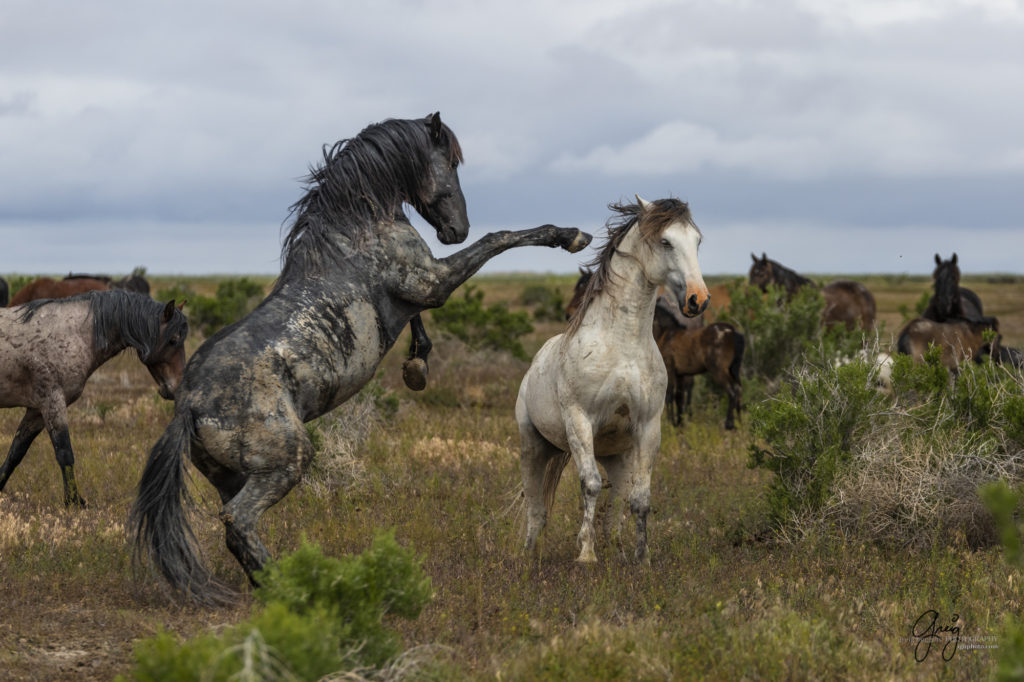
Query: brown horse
[(960, 339), (716, 349), (44, 287), (846, 302)]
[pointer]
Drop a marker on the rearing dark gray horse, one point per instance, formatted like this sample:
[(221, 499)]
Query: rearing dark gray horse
[(355, 273)]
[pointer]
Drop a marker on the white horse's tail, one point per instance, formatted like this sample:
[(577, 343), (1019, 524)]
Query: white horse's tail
[(552, 475)]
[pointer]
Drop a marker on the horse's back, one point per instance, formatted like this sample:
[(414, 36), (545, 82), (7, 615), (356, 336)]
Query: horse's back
[(850, 303), (971, 303)]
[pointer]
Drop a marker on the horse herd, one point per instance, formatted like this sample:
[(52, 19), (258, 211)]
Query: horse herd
[(355, 273)]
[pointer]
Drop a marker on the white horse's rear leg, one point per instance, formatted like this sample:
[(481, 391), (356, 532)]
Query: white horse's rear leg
[(534, 454)]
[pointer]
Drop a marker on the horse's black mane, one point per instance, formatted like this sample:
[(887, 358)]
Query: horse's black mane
[(134, 317), (662, 213), (362, 180), (787, 277)]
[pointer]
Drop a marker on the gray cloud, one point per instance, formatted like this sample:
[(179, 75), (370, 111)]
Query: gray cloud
[(176, 139)]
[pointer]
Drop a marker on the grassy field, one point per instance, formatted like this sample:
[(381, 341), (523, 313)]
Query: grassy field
[(717, 601)]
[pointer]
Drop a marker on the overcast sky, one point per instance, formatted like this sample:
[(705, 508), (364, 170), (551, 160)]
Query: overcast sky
[(842, 136)]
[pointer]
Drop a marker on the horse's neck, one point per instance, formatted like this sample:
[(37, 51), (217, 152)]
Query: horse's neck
[(625, 308)]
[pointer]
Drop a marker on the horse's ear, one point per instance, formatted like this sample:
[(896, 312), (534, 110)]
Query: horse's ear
[(953, 261), (753, 257), (764, 257), (169, 311), (938, 259), (644, 204), (434, 123), (181, 306)]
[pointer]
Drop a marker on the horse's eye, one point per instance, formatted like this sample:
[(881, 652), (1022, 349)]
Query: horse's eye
[(666, 243)]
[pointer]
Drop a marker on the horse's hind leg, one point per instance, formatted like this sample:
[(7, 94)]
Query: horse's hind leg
[(262, 490), (414, 369), (534, 455), (31, 425)]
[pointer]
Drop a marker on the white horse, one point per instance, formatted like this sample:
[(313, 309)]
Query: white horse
[(596, 392)]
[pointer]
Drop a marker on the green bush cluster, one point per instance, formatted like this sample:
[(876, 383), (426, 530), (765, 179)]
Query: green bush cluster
[(812, 428), (319, 616), (494, 327), (779, 331), (546, 302), (1006, 504), (234, 299)]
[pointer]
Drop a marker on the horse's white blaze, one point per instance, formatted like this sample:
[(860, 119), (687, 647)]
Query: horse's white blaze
[(600, 391)]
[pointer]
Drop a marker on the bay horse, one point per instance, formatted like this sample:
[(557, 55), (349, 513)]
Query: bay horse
[(354, 273), (50, 347), (45, 287), (960, 339), (595, 393), (950, 300), (846, 302), (716, 349)]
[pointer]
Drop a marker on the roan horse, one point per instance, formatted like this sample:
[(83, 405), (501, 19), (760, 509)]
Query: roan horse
[(49, 348), (950, 300), (595, 393), (355, 273), (846, 302), (959, 339), (716, 349)]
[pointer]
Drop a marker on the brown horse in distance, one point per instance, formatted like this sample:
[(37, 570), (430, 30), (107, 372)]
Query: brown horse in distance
[(960, 339), (846, 302), (44, 287), (716, 349)]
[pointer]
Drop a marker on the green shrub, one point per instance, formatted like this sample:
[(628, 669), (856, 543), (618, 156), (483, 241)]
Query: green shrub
[(900, 468), (810, 429), (778, 332), (235, 298), (1006, 504), (546, 302), (493, 327), (320, 615)]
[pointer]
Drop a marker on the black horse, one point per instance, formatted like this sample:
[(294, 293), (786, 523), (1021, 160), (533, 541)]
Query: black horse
[(355, 273), (950, 300), (5, 293)]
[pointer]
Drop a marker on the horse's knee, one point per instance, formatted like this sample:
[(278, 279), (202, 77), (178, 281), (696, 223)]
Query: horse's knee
[(590, 484)]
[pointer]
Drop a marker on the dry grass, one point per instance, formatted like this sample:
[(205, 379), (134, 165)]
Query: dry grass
[(715, 603)]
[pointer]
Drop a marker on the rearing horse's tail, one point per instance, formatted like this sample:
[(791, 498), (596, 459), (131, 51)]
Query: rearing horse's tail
[(552, 475), (160, 522)]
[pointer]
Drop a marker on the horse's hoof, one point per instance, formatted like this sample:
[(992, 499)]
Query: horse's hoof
[(414, 373), (579, 242)]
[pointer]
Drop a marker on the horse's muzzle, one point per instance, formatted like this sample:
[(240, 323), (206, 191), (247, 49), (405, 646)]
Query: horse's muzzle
[(693, 308)]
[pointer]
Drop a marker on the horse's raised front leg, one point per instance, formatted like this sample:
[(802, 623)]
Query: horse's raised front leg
[(414, 369), (31, 426), (430, 284)]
